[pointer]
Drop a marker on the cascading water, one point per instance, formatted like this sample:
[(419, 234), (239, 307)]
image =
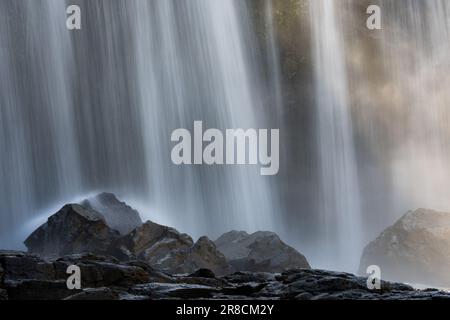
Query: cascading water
[(417, 68), (93, 110), (192, 65), (143, 69), (339, 202), (39, 150)]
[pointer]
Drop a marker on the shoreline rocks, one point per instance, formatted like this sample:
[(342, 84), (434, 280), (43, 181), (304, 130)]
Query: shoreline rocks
[(29, 277)]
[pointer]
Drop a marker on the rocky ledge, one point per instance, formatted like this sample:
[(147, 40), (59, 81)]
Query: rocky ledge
[(27, 276)]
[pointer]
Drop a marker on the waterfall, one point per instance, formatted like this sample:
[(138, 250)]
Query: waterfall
[(417, 69), (339, 202), (192, 65), (37, 135), (93, 110)]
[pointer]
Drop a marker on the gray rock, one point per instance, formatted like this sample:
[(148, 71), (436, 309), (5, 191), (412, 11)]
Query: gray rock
[(73, 229), (204, 255), (168, 250), (117, 215), (416, 249), (154, 244), (259, 252)]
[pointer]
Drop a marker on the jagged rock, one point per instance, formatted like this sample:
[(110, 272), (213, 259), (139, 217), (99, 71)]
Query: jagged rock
[(153, 243), (204, 255), (259, 252), (416, 249), (168, 250), (73, 229), (117, 215)]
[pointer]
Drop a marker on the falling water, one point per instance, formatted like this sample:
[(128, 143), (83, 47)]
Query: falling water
[(339, 194), (39, 152), (417, 69), (93, 110), (192, 65)]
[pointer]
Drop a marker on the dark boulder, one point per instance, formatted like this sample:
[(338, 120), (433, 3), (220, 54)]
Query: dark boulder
[(117, 215), (416, 249), (168, 250), (73, 229), (153, 243), (259, 252)]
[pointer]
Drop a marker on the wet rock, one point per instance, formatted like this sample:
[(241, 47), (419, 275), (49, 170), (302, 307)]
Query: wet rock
[(117, 215), (106, 278), (102, 271), (175, 291), (96, 294), (416, 249), (154, 244), (73, 229), (204, 255), (259, 252), (168, 250), (31, 289), (19, 265)]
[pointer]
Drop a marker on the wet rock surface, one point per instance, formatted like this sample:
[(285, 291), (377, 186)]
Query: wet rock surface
[(117, 214), (73, 229), (106, 226), (259, 252), (28, 277), (416, 249)]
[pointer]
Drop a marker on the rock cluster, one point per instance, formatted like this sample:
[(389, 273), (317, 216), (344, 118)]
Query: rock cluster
[(27, 276), (416, 249), (103, 225), (121, 258)]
